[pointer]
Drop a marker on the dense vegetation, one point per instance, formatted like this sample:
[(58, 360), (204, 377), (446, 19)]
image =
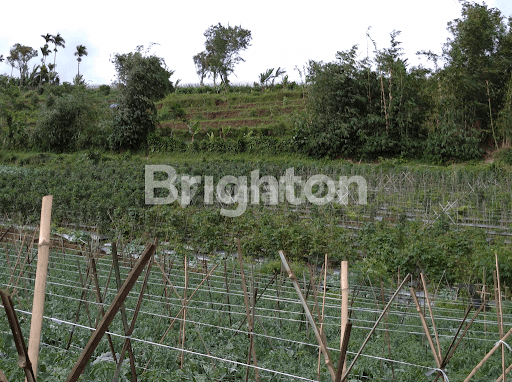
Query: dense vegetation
[(361, 109)]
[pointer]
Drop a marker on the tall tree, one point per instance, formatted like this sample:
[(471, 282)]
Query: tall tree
[(57, 41), (223, 46), (145, 80), (201, 64), (45, 51), (478, 65), (80, 52), (19, 57)]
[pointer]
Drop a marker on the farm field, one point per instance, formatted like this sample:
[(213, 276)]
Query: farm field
[(445, 221), (214, 327)]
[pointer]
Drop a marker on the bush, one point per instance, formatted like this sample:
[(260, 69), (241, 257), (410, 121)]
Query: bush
[(61, 123), (104, 89)]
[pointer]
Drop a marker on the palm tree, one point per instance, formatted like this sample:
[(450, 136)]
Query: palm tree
[(57, 40), (80, 51), (45, 52)]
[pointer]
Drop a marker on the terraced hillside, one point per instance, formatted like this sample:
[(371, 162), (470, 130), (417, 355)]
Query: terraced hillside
[(230, 115)]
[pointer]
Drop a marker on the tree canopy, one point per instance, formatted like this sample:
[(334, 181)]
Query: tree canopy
[(223, 46), (144, 80)]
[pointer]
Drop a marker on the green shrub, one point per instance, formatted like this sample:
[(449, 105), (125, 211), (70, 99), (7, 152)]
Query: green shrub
[(104, 89), (60, 125)]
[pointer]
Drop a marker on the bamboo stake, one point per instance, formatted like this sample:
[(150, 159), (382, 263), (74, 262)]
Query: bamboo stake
[(248, 313), (500, 319), (101, 311), (93, 342), (425, 329), (452, 347), (227, 290), (119, 283), (343, 352), (387, 332), (181, 310), (344, 307), (375, 326), (86, 298), (43, 255), (494, 348), (322, 316), (77, 315), (318, 335), (431, 315), (184, 321)]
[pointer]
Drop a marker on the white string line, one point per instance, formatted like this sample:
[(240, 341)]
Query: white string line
[(370, 302), (288, 319), (295, 301), (291, 320), (79, 351), (283, 318), (174, 348), (291, 291), (270, 317), (222, 359)]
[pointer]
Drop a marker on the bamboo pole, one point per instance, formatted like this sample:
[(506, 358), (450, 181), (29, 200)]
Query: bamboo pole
[(425, 329), (500, 319), (101, 311), (322, 316), (494, 348), (375, 326), (343, 352), (318, 335), (431, 315), (249, 317), (93, 342), (43, 255), (184, 321), (126, 327), (344, 307)]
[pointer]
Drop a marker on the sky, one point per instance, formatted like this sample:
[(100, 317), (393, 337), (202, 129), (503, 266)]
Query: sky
[(285, 33)]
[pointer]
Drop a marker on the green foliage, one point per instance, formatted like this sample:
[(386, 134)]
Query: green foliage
[(63, 121), (19, 57), (174, 111), (357, 112), (223, 46), (104, 89), (144, 80)]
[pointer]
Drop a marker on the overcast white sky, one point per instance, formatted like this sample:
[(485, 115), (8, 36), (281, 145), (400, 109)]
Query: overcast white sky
[(284, 33)]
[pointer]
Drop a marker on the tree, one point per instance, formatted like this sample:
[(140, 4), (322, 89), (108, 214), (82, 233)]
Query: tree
[(80, 51), (57, 40), (223, 46), (201, 64), (19, 57), (144, 80), (478, 66), (45, 51)]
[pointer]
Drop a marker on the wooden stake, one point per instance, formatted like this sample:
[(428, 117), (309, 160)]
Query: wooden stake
[(319, 338), (343, 352), (480, 364), (425, 328), (431, 315), (248, 313), (43, 255), (500, 320), (322, 316), (375, 326), (115, 266), (344, 307), (110, 314)]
